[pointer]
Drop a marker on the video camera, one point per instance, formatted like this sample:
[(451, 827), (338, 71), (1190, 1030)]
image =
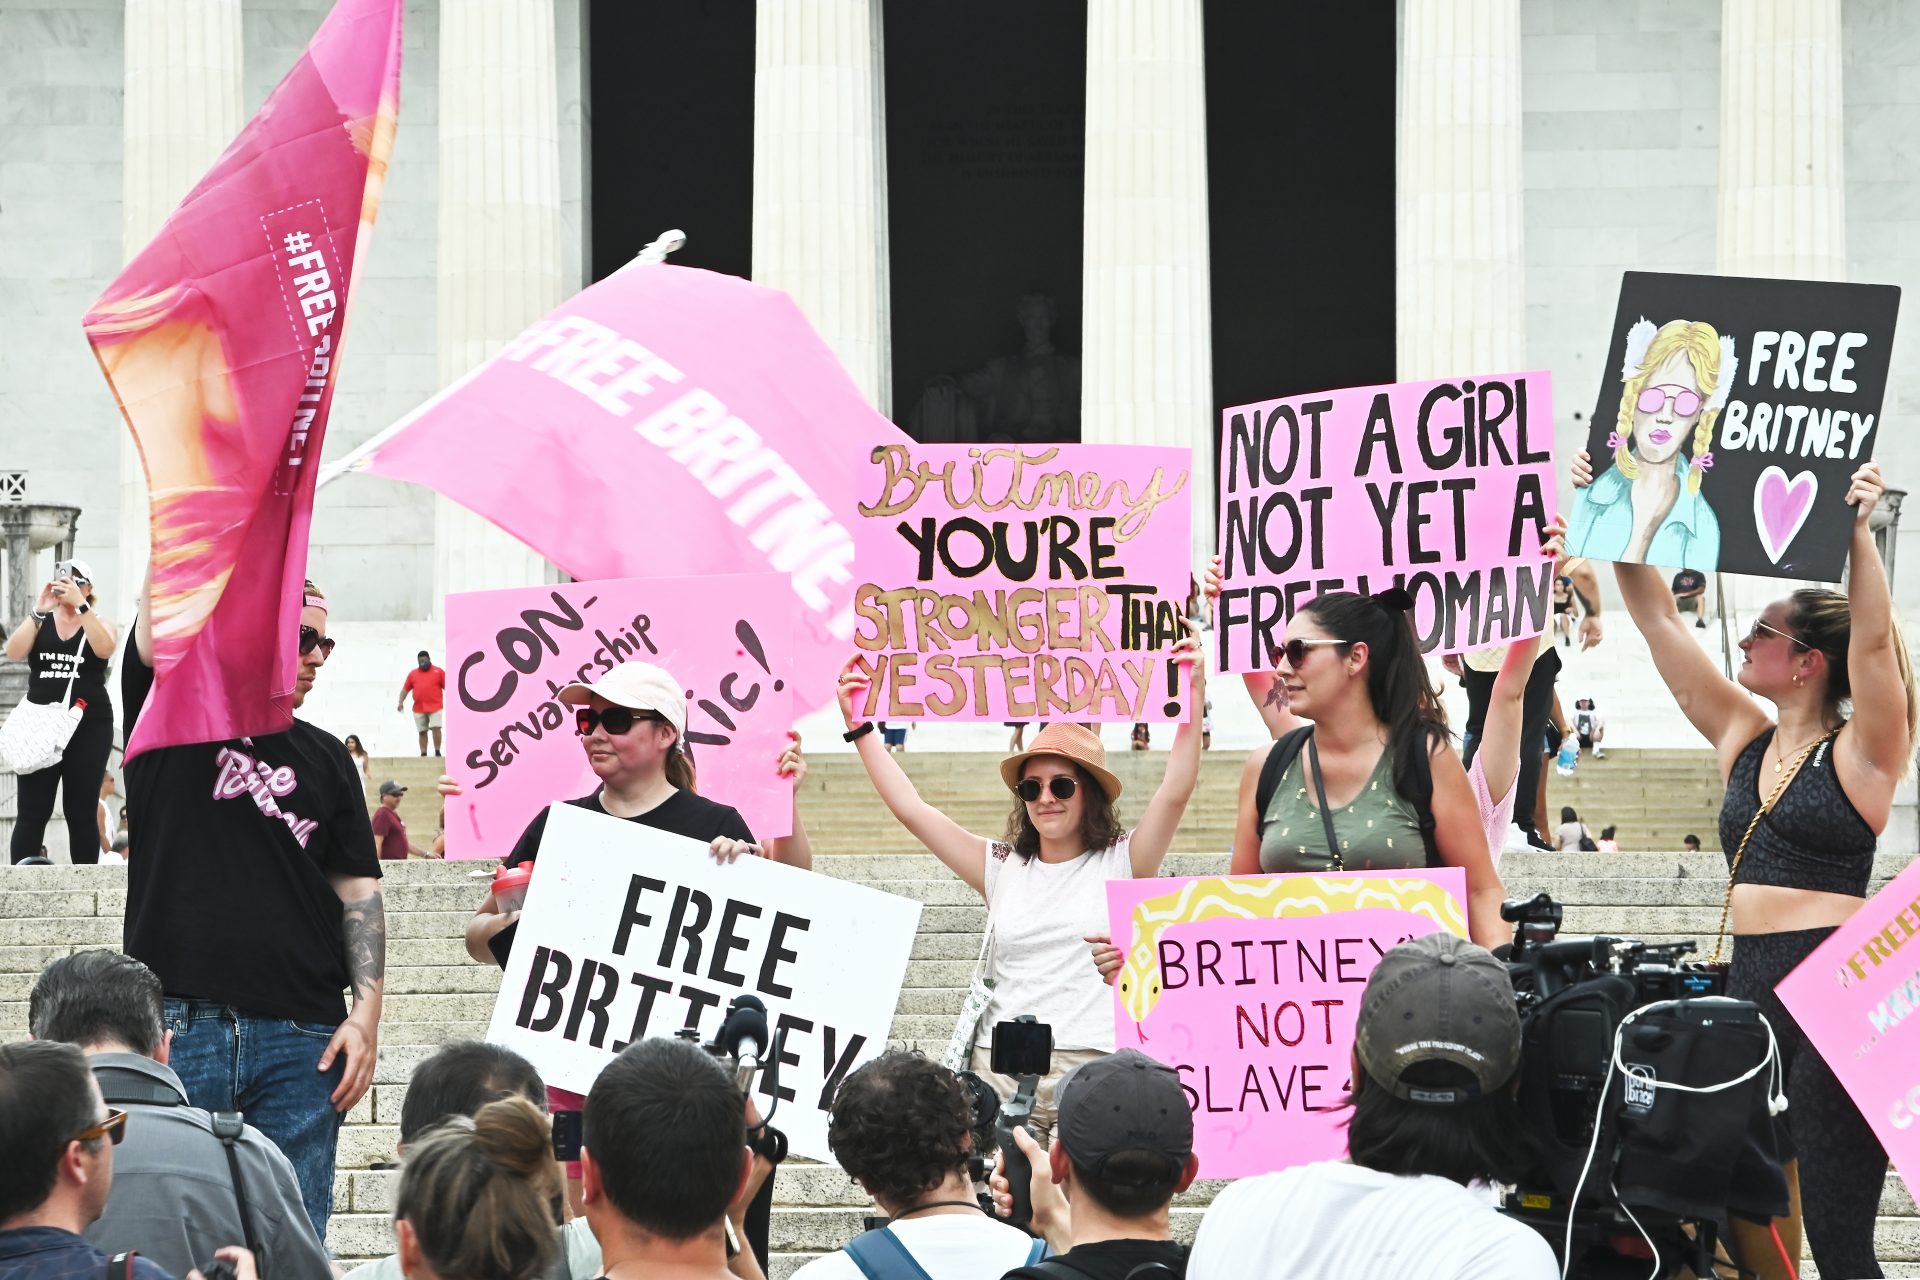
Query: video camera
[(1644, 1092)]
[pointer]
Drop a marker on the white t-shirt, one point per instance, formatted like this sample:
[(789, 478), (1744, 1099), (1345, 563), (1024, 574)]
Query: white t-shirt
[(583, 1257), (948, 1246), (1041, 962), (1335, 1221)]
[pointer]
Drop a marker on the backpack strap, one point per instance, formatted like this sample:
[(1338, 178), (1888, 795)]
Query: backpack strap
[(880, 1256), (1420, 796), (120, 1265), (1037, 1251), (228, 1126), (1280, 757)]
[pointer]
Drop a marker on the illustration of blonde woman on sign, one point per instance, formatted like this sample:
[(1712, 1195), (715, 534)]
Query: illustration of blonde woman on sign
[(1647, 507)]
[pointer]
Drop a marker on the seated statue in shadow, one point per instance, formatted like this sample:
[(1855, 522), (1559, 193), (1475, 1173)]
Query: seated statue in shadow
[(1029, 398)]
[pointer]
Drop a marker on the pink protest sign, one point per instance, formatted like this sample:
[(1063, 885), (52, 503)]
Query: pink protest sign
[(511, 744), (1442, 488), (1249, 987), (1858, 999), (1037, 582)]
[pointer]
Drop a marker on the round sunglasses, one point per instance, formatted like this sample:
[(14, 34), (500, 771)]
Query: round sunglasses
[(1686, 401), (311, 640), (1061, 785), (615, 720), (1295, 651)]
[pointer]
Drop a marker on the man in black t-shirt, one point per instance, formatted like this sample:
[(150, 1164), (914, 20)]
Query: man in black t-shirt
[(1690, 594), (1122, 1149), (256, 899)]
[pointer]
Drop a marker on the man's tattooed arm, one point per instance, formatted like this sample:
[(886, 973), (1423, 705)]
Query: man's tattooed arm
[(363, 934)]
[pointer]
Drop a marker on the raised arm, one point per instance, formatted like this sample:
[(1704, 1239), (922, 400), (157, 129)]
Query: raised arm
[(1499, 753), (796, 848), (1264, 687), (1878, 739), (1463, 843), (1713, 704), (963, 852), (1153, 834)]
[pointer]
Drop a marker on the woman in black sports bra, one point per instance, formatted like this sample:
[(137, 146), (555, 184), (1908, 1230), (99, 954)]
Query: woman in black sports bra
[(1806, 867)]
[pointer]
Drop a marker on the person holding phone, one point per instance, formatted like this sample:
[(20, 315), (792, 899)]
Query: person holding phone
[(65, 643)]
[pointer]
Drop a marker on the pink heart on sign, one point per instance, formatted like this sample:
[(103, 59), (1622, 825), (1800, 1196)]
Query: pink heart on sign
[(1780, 507)]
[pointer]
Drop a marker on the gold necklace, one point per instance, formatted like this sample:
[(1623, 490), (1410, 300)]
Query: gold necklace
[(1780, 757)]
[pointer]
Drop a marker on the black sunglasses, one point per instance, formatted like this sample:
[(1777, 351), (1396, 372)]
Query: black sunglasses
[(1062, 786), (113, 1128), (311, 639), (1295, 651), (615, 720)]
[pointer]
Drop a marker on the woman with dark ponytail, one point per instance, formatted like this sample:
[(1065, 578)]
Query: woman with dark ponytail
[(1373, 783), (480, 1199)]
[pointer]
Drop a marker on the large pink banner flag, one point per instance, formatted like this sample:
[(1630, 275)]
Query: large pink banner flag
[(1858, 999), (666, 420), (221, 341)]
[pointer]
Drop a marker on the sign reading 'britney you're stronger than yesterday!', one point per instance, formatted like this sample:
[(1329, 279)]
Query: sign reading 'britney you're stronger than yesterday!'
[(1441, 488), (1023, 583)]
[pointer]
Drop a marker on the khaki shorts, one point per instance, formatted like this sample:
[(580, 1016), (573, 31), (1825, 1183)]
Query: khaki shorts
[(1044, 1109), (425, 720)]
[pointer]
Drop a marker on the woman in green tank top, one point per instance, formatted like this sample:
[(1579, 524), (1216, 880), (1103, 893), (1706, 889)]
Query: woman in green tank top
[(1351, 665)]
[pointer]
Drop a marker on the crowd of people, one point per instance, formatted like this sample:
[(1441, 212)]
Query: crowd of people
[(273, 1010)]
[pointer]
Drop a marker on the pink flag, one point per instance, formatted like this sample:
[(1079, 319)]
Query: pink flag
[(221, 342), (665, 421)]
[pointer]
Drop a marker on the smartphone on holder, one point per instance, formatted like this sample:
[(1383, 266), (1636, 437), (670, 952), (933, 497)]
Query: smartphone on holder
[(568, 1134), (1022, 1047)]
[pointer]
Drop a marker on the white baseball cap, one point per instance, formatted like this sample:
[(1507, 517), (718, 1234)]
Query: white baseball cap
[(639, 686)]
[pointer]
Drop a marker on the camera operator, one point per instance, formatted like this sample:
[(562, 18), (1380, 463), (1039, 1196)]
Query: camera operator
[(902, 1126), (59, 1136), (1122, 1150), (180, 1191), (1435, 1061), (666, 1171), (455, 1083)]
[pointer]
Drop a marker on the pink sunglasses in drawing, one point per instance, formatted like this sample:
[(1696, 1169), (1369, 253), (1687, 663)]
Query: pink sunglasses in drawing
[(1686, 401)]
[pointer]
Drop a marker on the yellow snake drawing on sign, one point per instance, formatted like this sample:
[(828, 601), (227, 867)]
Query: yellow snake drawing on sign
[(1266, 898)]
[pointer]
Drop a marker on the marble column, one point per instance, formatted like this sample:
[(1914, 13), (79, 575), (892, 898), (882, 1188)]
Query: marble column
[(1147, 353), (499, 242), (182, 108), (1782, 207), (1782, 156), (819, 175), (1460, 279)]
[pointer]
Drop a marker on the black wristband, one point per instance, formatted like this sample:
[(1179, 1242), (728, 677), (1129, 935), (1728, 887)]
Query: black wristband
[(83, 609), (854, 735)]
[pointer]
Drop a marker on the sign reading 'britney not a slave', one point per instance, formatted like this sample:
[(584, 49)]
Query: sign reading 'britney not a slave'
[(1441, 488), (1023, 583)]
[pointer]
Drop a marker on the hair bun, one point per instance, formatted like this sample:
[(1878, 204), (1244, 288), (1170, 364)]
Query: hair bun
[(1394, 599), (515, 1135)]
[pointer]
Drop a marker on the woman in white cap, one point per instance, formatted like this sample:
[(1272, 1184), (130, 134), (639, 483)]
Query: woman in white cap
[(632, 725), (1045, 881), (65, 644)]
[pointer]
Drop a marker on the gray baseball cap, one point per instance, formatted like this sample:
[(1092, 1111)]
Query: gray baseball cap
[(392, 788), (1439, 998), (1123, 1102)]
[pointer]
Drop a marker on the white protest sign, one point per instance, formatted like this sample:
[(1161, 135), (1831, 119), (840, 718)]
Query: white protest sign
[(630, 932)]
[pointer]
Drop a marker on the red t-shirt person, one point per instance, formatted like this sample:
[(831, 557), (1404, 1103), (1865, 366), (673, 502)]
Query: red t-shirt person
[(428, 685), (389, 828)]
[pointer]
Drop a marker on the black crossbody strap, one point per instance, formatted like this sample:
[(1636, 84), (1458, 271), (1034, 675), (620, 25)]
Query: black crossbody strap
[(1326, 813), (228, 1126)]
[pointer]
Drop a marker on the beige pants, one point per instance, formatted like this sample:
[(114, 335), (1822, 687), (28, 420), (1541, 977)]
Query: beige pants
[(1044, 1108)]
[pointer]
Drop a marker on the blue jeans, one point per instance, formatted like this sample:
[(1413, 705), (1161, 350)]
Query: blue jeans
[(265, 1067)]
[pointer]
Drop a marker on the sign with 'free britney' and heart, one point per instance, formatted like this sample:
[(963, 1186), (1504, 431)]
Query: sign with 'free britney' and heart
[(1732, 414)]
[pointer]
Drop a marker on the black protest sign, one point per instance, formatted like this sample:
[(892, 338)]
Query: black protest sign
[(1732, 413)]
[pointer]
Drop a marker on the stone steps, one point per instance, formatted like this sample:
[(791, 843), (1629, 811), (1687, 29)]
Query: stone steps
[(436, 993)]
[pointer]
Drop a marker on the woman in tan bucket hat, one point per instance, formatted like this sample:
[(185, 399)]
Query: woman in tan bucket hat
[(1045, 880)]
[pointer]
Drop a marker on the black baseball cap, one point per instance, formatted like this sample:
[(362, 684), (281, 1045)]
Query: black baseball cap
[(1123, 1102), (1439, 998)]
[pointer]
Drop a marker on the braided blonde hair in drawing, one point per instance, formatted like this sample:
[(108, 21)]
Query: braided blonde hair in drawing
[(1706, 351)]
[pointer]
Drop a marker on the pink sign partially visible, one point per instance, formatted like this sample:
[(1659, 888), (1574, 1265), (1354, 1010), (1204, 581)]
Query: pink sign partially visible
[(1037, 582), (1858, 999), (1443, 488), (511, 744), (1249, 987)]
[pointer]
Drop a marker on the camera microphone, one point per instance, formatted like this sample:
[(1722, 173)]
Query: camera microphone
[(743, 1036)]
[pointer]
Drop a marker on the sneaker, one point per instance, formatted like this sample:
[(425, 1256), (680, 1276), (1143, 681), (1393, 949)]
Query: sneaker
[(1700, 624), (1537, 841), (1599, 753), (1516, 840)]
